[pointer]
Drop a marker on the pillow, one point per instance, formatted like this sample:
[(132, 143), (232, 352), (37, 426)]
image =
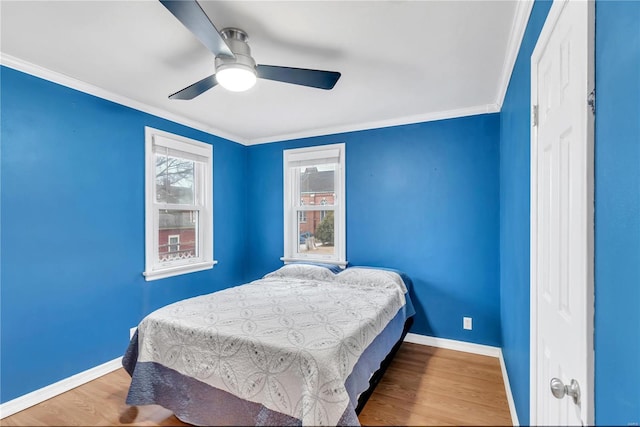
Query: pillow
[(371, 277), (331, 267), (303, 271)]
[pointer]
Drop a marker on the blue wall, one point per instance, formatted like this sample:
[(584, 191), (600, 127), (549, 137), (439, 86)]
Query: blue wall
[(617, 213), (422, 198), (514, 215), (72, 221), (429, 199)]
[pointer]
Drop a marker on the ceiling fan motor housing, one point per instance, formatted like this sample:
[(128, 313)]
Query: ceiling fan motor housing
[(236, 39)]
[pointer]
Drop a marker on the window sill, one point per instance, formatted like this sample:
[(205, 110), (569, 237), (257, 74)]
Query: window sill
[(176, 271), (341, 264)]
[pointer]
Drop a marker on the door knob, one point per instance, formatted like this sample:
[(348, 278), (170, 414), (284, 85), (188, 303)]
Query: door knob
[(559, 390)]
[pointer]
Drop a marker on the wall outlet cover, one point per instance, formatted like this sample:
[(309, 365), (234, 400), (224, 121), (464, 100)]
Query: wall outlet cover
[(467, 323)]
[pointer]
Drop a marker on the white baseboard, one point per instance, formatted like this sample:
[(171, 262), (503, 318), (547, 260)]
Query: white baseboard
[(468, 347), (507, 389), (30, 399)]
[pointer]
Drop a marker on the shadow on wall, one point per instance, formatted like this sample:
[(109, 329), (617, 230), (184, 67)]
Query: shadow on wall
[(421, 324), (440, 312)]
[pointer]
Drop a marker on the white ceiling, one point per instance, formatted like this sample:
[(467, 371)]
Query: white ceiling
[(401, 61)]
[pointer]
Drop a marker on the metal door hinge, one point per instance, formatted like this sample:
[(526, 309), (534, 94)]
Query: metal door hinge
[(591, 101), (534, 115)]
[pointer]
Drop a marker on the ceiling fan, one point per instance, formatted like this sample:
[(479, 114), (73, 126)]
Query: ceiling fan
[(235, 69)]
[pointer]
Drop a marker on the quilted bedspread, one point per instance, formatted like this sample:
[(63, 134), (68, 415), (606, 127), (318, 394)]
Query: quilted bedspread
[(288, 343)]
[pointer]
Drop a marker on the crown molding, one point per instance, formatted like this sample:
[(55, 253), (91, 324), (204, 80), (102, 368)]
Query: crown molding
[(73, 83), (378, 124), (518, 27)]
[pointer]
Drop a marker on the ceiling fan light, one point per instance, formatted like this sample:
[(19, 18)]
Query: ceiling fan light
[(236, 77)]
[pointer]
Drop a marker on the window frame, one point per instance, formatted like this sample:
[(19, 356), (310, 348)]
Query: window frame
[(203, 204), (309, 156)]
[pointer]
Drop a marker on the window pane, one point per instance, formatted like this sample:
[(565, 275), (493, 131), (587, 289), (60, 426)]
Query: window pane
[(317, 185), (174, 180), (315, 235), (178, 234)]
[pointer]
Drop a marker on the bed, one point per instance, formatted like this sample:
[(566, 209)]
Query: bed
[(301, 346)]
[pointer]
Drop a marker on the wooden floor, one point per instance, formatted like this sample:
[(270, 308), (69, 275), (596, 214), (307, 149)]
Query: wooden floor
[(423, 386)]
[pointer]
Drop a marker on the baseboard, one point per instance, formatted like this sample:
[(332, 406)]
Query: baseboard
[(30, 399), (468, 347), (507, 389)]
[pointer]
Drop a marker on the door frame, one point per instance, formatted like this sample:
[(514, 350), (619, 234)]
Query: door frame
[(587, 390)]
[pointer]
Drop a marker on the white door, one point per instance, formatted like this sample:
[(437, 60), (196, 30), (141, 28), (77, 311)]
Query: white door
[(562, 218)]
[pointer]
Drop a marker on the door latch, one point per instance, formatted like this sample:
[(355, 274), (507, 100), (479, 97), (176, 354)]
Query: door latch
[(559, 390)]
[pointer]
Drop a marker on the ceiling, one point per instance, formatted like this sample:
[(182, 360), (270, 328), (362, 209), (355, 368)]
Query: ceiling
[(401, 61)]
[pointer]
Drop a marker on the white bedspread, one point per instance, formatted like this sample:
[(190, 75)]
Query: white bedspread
[(287, 343)]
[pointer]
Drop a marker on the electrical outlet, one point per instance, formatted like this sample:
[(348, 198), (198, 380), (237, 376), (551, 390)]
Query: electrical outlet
[(132, 332), (467, 323)]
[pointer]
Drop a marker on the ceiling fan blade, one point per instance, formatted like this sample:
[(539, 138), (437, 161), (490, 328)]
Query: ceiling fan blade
[(191, 15), (195, 89), (299, 76)]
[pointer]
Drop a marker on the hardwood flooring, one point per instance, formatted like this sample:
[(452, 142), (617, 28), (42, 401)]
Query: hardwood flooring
[(422, 386), (434, 386)]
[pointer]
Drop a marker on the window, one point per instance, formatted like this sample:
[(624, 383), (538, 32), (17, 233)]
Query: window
[(178, 205), (314, 208)]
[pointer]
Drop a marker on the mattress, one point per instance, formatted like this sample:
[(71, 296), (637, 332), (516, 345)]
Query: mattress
[(296, 347)]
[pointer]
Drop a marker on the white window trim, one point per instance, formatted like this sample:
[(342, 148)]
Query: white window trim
[(205, 261), (314, 155)]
